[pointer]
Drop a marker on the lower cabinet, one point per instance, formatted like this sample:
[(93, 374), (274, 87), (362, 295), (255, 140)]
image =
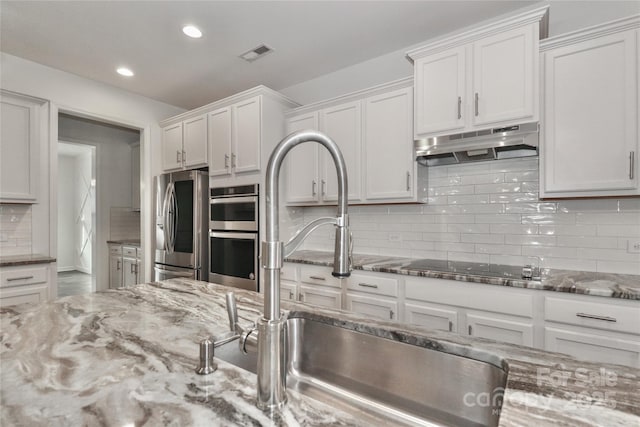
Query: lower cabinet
[(124, 265), (383, 308), (431, 316), (27, 284), (320, 296), (498, 328)]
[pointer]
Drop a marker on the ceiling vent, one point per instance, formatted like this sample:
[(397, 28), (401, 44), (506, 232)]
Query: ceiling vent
[(256, 53)]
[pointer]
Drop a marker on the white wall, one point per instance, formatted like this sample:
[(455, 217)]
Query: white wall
[(77, 94), (564, 16), (66, 207)]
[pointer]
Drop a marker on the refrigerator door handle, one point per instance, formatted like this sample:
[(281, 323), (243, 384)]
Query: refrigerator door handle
[(174, 227), (165, 217)]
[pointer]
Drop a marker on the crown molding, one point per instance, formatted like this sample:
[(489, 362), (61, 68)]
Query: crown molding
[(589, 33)]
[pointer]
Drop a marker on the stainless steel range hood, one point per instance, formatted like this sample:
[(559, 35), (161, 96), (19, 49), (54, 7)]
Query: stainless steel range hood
[(491, 144)]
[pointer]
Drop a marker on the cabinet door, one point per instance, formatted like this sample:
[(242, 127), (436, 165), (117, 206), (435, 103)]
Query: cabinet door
[(115, 272), (382, 308), (24, 295), (194, 153), (388, 146), (343, 124), (504, 73), (499, 329), (440, 90), (590, 134), (135, 177), (586, 345), (172, 147), (245, 156), (288, 291), (321, 296), (129, 271), (20, 135), (432, 317), (220, 142), (302, 163)]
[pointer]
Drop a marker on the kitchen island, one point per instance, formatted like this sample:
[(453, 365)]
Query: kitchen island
[(126, 357)]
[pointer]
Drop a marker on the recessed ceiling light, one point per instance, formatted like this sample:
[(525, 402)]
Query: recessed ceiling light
[(192, 31), (124, 71)]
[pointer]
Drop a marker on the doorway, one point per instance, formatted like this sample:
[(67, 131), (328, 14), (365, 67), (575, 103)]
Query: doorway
[(76, 218)]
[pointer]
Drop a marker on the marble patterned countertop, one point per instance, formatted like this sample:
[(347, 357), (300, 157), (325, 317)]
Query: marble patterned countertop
[(626, 286), (15, 260), (126, 357)]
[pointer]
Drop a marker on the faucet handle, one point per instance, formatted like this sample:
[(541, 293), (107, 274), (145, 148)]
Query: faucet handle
[(232, 310)]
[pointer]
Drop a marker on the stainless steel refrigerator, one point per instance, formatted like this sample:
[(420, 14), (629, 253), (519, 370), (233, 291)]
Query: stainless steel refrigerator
[(181, 225)]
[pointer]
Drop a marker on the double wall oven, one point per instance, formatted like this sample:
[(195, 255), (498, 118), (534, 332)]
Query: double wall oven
[(234, 236)]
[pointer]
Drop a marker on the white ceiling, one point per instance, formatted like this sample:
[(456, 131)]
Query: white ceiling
[(309, 38)]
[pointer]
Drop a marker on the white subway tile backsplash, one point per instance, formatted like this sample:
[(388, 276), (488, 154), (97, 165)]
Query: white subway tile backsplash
[(15, 227), (490, 212)]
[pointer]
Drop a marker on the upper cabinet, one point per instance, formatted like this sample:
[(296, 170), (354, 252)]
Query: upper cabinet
[(373, 129), (589, 144), (231, 136), (235, 137), (184, 144), (482, 78), (24, 126)]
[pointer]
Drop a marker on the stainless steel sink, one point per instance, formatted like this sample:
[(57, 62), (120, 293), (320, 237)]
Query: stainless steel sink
[(385, 382)]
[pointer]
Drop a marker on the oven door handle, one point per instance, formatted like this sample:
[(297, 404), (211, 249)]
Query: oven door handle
[(233, 200), (228, 235)]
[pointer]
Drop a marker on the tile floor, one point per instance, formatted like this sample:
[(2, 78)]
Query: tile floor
[(75, 283)]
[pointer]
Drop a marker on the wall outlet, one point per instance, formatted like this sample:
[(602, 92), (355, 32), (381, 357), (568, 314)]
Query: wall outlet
[(395, 237), (633, 246)]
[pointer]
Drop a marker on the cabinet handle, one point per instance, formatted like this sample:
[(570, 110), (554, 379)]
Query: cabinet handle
[(632, 158), (317, 278), (391, 314), (118, 265), (184, 156), (178, 158), (450, 326), (476, 104), (301, 297), (324, 184), (291, 295), (470, 330), (12, 279), (313, 187), (367, 285), (459, 107), (226, 161), (131, 269), (593, 316), (233, 160), (408, 181)]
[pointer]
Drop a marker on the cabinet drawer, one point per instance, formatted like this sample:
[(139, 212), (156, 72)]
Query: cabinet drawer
[(24, 295), (289, 272), (19, 276), (115, 250), (373, 284), (129, 251), (470, 295), (381, 308), (611, 317), (318, 276)]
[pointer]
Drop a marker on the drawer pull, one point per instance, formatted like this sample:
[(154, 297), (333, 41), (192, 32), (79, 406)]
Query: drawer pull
[(450, 326), (12, 279), (367, 285), (317, 278), (391, 314), (470, 330), (594, 317)]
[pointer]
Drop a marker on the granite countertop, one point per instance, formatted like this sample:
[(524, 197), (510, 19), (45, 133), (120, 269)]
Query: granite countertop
[(15, 260), (626, 286), (130, 242), (127, 357)]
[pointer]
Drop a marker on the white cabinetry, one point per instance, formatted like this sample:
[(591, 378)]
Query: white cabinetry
[(124, 265), (27, 284), (484, 311), (235, 137), (315, 286), (115, 266), (184, 144), (482, 78), (390, 166), (373, 129), (23, 127), (594, 330), (589, 133)]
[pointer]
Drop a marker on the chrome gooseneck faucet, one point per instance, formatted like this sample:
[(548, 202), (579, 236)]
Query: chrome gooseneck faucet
[(272, 393)]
